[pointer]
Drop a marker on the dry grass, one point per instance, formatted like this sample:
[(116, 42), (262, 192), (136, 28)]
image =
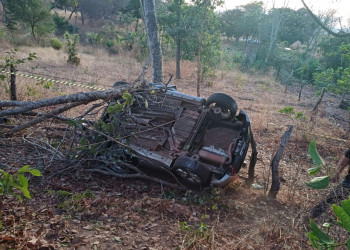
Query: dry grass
[(254, 221)]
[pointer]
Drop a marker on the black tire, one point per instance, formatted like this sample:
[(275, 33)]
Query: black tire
[(118, 84), (225, 102), (193, 173)]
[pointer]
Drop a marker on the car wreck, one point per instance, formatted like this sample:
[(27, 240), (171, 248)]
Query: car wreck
[(203, 142)]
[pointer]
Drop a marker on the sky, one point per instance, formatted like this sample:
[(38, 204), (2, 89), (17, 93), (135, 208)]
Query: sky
[(342, 7)]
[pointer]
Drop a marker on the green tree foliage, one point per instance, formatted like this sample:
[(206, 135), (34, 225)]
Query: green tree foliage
[(296, 25), (334, 75), (232, 23), (174, 20), (253, 13), (33, 14), (61, 25)]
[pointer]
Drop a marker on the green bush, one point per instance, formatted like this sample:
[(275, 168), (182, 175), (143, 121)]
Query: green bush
[(56, 43), (94, 38), (110, 44), (72, 42)]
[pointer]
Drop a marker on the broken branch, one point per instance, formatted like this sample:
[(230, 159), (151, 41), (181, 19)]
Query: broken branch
[(275, 186)]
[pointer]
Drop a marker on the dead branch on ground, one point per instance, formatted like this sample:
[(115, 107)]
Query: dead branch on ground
[(275, 186)]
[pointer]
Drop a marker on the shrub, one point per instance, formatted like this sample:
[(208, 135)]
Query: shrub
[(56, 43), (94, 38), (109, 44), (71, 42), (10, 182)]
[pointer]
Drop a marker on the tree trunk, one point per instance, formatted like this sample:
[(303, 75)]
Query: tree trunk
[(153, 40), (199, 59), (71, 14), (136, 25), (4, 19), (77, 97), (13, 83), (82, 16), (273, 36), (178, 59), (300, 91), (319, 100), (33, 33)]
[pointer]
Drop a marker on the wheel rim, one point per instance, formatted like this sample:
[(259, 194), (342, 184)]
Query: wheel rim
[(194, 178), (183, 174), (225, 113), (188, 176)]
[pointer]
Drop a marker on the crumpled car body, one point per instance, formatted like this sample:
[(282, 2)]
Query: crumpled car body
[(203, 142)]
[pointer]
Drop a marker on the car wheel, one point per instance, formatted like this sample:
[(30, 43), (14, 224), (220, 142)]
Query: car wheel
[(118, 84), (227, 104), (192, 172)]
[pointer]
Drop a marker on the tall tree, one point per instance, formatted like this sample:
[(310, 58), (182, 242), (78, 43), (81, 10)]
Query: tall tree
[(277, 15), (33, 13), (174, 21), (206, 34), (153, 40), (252, 16), (232, 23)]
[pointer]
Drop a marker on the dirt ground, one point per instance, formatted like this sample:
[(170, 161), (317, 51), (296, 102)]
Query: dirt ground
[(78, 210)]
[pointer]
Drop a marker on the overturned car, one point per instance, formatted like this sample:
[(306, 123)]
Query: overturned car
[(202, 142)]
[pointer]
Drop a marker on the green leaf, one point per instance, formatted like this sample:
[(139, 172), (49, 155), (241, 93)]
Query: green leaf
[(316, 158), (25, 192), (35, 172), (321, 236), (73, 123), (313, 171), (313, 239), (23, 181), (343, 217), (319, 182), (18, 197), (23, 169), (2, 77), (347, 243), (126, 95), (346, 206)]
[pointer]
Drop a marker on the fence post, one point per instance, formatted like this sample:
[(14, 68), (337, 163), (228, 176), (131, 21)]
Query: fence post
[(13, 83)]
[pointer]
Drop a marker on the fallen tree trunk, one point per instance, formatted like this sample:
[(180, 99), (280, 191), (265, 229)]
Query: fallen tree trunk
[(51, 114), (78, 97), (275, 186)]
